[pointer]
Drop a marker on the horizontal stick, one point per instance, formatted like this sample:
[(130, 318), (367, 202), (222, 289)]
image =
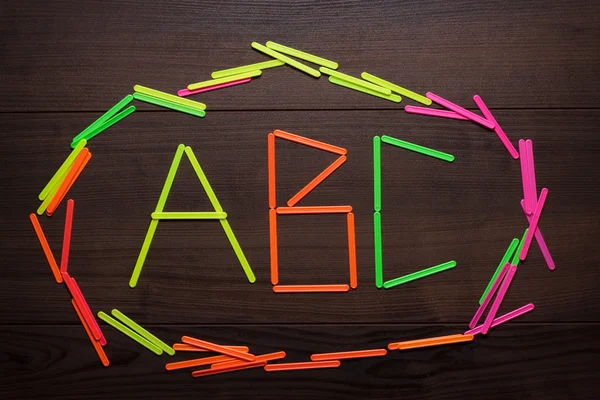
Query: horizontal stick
[(190, 348), (417, 148), (356, 81), (432, 112), (263, 357), (226, 79), (169, 97), (419, 274), (187, 92), (351, 85), (314, 210), (246, 68), (217, 348), (189, 215), (310, 288), (214, 371), (310, 142), (168, 104), (197, 362), (395, 88), (301, 365), (435, 341)]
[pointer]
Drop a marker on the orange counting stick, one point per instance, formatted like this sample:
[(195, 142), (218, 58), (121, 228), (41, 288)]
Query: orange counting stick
[(273, 246), (314, 210), (436, 341), (95, 343), (217, 349), (271, 162), (187, 347), (352, 251), (310, 288), (316, 181), (264, 357), (197, 362), (301, 365), (348, 354), (310, 142), (214, 371), (46, 247), (64, 256), (74, 171)]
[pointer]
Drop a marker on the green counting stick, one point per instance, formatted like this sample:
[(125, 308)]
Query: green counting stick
[(104, 126), (395, 88), (340, 82), (285, 59), (507, 255), (377, 173), (169, 104), (227, 79), (356, 81), (420, 274), (126, 331), (62, 170), (302, 55), (378, 251), (143, 332), (417, 148), (246, 68), (105, 117), (515, 261), (238, 250), (203, 180), (189, 215)]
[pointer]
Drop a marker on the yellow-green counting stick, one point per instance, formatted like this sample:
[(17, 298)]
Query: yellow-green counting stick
[(189, 215), (62, 170), (246, 68), (355, 81), (169, 104), (105, 117), (203, 180), (154, 223), (105, 125), (391, 97), (238, 251), (230, 78), (285, 59), (170, 97), (143, 332), (126, 331), (53, 191), (302, 55), (395, 88)]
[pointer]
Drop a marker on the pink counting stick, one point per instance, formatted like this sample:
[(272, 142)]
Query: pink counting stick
[(489, 296), (525, 177), (64, 257), (504, 318), (458, 109), (434, 113), (531, 173), (84, 308), (498, 300), (499, 132), (541, 242), (535, 219), (186, 92)]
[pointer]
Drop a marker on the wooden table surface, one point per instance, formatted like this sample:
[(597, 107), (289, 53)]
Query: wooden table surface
[(536, 64)]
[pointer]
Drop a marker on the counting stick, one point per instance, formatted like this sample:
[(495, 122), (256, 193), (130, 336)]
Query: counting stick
[(419, 274), (104, 126), (188, 215), (169, 104), (531, 173), (499, 298), (95, 343), (316, 181), (190, 348), (217, 348), (504, 318), (46, 247), (395, 88), (352, 251), (79, 171), (52, 193), (84, 308), (169, 97), (142, 332), (271, 170), (460, 110), (64, 257), (197, 362), (489, 296), (356, 81), (434, 113), (541, 242), (499, 132), (515, 261), (378, 250), (310, 288), (377, 173), (535, 219), (350, 85), (187, 92), (289, 61), (105, 117), (203, 180), (435, 341), (128, 332), (348, 354), (310, 142), (529, 202), (211, 371), (505, 259), (227, 79), (314, 210), (61, 170), (262, 358), (74, 171), (238, 250), (302, 55), (246, 68), (273, 247), (301, 365), (417, 148)]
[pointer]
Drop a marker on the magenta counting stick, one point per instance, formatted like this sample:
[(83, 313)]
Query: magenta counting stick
[(84, 308), (458, 109), (434, 113), (541, 242), (504, 318), (535, 219), (525, 177), (489, 296), (498, 300), (499, 132), (186, 92), (531, 173)]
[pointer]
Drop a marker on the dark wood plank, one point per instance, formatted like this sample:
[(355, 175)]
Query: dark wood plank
[(74, 55), (433, 212), (516, 361)]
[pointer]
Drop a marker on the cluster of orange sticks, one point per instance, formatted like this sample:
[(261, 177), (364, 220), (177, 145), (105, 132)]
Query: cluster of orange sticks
[(293, 209)]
